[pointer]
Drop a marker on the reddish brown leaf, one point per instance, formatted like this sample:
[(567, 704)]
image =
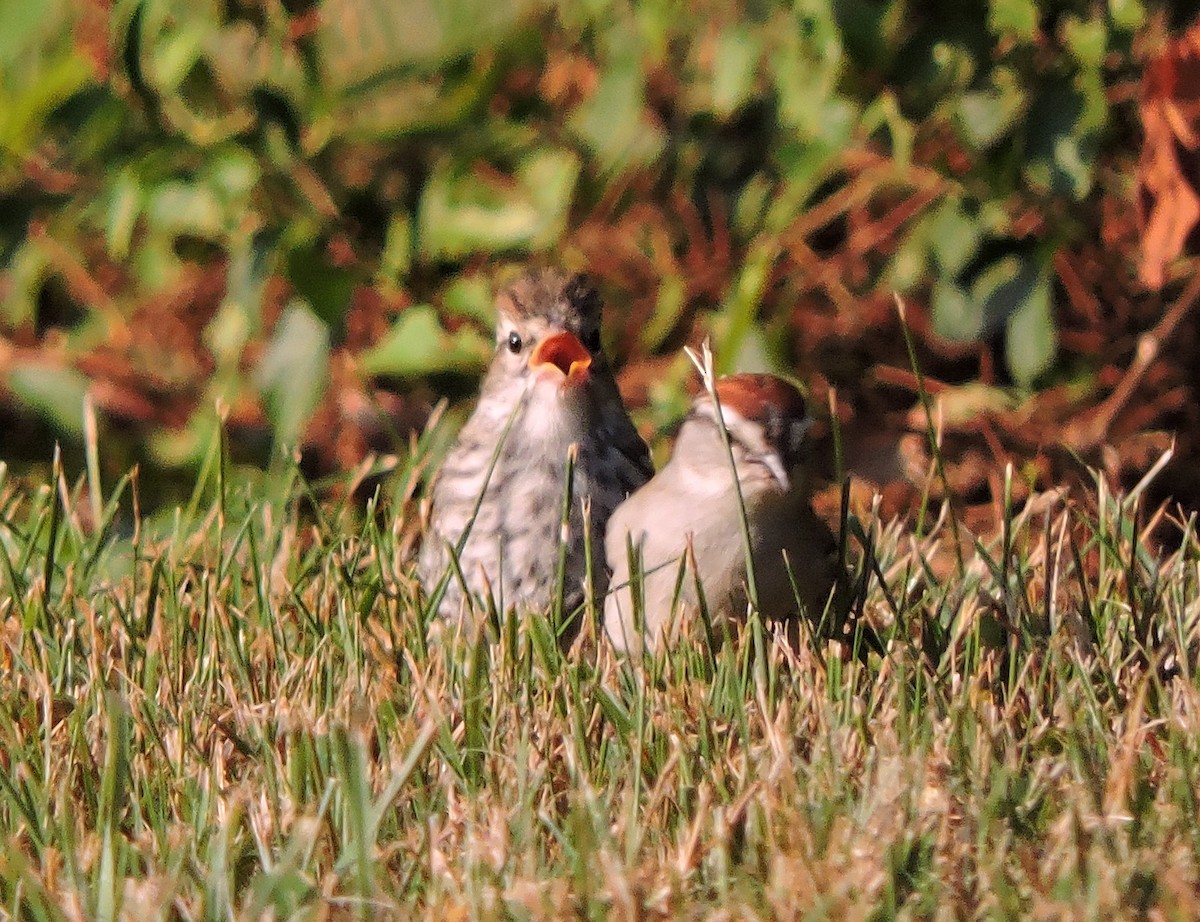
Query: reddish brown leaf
[(1168, 202)]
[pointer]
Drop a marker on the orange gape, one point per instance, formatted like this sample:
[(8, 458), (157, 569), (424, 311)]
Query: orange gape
[(565, 352)]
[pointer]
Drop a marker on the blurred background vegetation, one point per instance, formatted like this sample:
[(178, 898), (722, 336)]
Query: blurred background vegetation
[(292, 216)]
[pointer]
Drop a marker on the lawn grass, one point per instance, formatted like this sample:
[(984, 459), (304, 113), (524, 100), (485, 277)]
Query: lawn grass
[(238, 711)]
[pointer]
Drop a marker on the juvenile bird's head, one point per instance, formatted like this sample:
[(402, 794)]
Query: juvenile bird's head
[(548, 352), (548, 329)]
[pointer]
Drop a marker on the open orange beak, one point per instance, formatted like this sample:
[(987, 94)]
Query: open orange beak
[(564, 353)]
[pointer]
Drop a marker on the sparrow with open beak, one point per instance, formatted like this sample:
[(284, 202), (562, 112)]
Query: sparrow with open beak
[(548, 388), (689, 515)]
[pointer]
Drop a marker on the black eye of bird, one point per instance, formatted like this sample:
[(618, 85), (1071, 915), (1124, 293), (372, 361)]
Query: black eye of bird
[(592, 341), (514, 342)]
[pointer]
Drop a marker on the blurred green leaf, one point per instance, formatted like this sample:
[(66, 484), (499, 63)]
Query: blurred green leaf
[(734, 65), (984, 117), (396, 108), (1086, 39), (994, 219), (294, 371), (177, 49), (396, 258), (24, 276), (1011, 293), (945, 72), (470, 298), (417, 345), (54, 393), (738, 334), (252, 259), (188, 445), (804, 166), (671, 300), (176, 208), (549, 177), (326, 287), (124, 207), (1063, 126), (227, 333), (232, 173), (1002, 288), (19, 26), (467, 211), (805, 64), (954, 237), (885, 112), (26, 108), (378, 61), (873, 30), (1127, 14), (283, 889), (955, 315), (361, 41), (1032, 340), (909, 266), (960, 404), (754, 354), (1018, 18), (612, 122), (752, 204)]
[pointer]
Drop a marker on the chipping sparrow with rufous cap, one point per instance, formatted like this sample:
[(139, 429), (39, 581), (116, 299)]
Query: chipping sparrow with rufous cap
[(548, 388), (689, 513)]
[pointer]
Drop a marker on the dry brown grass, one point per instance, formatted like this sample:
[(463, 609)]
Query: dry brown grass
[(241, 714)]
